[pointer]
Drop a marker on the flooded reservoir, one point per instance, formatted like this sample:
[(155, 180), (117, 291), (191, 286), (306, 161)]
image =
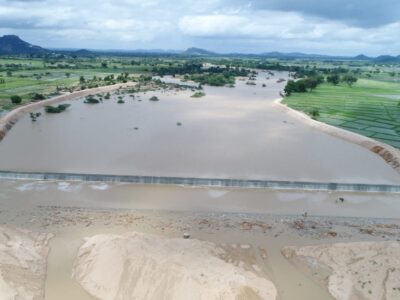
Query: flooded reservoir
[(229, 133)]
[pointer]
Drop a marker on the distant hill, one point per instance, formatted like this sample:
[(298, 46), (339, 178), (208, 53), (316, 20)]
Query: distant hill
[(198, 52), (12, 44), (84, 52), (276, 54), (387, 58), (362, 57)]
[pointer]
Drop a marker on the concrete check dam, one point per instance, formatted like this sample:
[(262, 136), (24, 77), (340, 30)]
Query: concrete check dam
[(202, 182)]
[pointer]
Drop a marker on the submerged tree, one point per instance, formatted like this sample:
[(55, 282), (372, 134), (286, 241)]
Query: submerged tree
[(91, 100), (154, 98), (56, 109)]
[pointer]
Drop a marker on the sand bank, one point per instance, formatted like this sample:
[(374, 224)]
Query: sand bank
[(363, 270), (144, 266), (9, 120), (23, 260), (390, 154)]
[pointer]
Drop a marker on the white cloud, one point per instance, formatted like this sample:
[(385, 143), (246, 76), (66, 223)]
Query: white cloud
[(283, 27), (220, 25)]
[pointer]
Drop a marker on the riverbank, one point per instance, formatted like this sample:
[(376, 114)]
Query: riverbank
[(388, 153), (11, 118)]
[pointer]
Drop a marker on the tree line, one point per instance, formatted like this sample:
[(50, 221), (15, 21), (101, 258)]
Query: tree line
[(309, 84)]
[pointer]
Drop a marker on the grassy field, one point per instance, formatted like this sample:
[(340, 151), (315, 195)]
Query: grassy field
[(370, 108), (25, 77)]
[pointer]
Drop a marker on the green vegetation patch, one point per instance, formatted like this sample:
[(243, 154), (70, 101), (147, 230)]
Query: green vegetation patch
[(360, 108), (198, 95), (56, 109)]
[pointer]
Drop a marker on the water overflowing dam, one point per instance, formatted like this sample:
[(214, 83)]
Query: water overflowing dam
[(209, 182)]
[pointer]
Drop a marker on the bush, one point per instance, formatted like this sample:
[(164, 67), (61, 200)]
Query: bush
[(314, 113), (56, 109), (15, 99), (38, 97), (34, 116), (198, 95), (91, 100), (154, 98)]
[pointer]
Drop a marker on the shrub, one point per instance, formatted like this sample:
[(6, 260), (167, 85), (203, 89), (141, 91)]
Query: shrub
[(15, 99), (314, 113), (91, 100), (198, 95), (34, 116), (56, 109), (154, 98), (37, 97)]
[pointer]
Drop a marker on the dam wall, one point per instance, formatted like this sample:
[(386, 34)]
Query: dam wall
[(203, 182)]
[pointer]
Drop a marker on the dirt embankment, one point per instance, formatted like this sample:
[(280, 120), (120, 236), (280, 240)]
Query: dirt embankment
[(390, 154), (9, 120)]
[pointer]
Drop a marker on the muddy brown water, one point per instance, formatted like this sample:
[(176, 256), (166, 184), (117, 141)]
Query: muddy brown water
[(230, 133)]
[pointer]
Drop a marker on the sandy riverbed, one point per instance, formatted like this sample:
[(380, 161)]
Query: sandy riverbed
[(147, 266), (74, 213), (369, 270), (23, 264)]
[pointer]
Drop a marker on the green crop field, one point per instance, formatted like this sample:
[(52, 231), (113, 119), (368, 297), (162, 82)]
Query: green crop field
[(370, 108), (25, 77)]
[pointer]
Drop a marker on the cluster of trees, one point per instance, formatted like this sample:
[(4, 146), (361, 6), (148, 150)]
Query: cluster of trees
[(303, 85), (178, 69), (335, 79), (212, 79), (15, 99), (215, 75), (107, 80), (310, 83)]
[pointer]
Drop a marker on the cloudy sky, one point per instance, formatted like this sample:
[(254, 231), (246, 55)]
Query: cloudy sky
[(346, 27)]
